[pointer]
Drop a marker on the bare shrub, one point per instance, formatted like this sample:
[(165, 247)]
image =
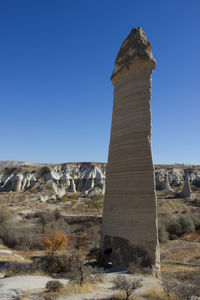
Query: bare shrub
[(45, 218), (54, 285), (174, 229), (155, 294), (79, 271), (127, 286), (187, 224), (11, 268), (168, 287), (163, 235), (196, 221), (56, 264), (20, 238), (97, 274), (184, 291)]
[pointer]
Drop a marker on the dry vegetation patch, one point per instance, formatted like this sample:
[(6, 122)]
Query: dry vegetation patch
[(69, 289), (155, 294)]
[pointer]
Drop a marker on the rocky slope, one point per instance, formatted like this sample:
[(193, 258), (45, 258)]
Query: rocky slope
[(57, 179), (88, 178)]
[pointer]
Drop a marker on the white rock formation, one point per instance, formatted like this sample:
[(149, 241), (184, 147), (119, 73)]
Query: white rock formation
[(79, 177), (61, 178), (166, 186), (186, 191)]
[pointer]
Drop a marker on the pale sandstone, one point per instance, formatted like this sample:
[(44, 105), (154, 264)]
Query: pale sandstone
[(186, 191), (166, 186), (130, 212)]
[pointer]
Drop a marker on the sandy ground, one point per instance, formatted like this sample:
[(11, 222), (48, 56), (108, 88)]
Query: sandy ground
[(105, 289), (15, 285)]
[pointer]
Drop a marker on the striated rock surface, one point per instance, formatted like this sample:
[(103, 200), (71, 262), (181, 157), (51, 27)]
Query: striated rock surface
[(129, 229)]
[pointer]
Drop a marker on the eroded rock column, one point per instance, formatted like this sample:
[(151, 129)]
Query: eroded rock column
[(129, 231)]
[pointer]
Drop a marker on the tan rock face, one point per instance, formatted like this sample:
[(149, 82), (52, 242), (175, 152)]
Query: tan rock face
[(130, 216)]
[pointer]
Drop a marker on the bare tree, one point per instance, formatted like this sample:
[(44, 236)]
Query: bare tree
[(79, 270), (126, 285)]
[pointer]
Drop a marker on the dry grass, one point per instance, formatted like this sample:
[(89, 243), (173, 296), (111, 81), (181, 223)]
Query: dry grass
[(136, 269), (74, 288), (186, 274), (180, 251), (121, 296), (70, 289), (167, 204), (155, 294), (193, 237), (23, 296)]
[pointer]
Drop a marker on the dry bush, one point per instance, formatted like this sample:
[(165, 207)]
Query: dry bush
[(44, 218), (54, 285), (196, 221), (181, 226), (79, 271), (163, 235), (136, 268), (126, 285), (58, 264), (20, 238), (64, 198), (13, 268), (184, 291), (59, 225), (168, 287), (187, 224), (178, 290), (74, 288), (155, 294), (68, 289), (97, 274), (72, 196), (55, 241)]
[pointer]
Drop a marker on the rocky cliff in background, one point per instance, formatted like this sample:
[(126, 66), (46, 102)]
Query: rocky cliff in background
[(57, 179), (87, 178)]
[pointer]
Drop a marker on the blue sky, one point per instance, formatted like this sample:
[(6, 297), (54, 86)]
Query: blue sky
[(56, 58)]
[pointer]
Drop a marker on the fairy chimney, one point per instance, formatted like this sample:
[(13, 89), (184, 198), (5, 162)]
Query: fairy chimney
[(166, 186), (129, 231), (186, 191)]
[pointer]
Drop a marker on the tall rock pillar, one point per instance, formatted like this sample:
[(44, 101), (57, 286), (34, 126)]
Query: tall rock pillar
[(129, 232)]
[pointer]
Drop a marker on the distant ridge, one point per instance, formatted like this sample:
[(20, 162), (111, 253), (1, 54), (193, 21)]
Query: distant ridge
[(12, 163)]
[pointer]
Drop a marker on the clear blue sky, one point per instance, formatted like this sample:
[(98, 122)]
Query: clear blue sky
[(56, 58)]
